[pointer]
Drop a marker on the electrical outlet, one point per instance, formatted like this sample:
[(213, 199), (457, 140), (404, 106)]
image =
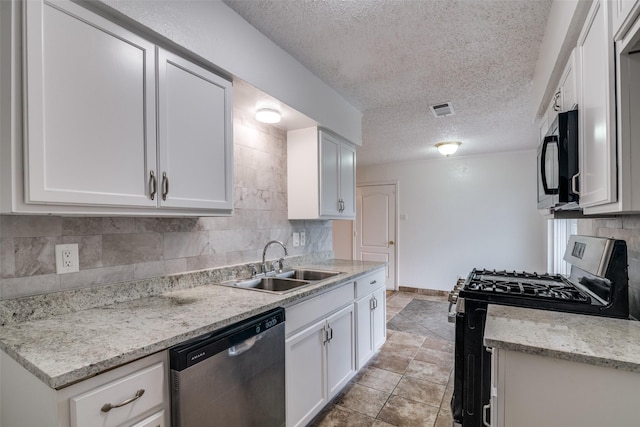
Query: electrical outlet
[(302, 238), (67, 258), (296, 239)]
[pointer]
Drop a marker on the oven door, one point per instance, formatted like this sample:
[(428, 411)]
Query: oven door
[(472, 371)]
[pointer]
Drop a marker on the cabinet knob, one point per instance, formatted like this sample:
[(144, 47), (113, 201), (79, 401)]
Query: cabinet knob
[(391, 243)]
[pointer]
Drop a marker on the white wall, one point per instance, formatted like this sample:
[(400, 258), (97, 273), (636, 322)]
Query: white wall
[(464, 213)]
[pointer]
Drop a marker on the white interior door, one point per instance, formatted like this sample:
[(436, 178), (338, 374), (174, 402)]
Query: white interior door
[(376, 227)]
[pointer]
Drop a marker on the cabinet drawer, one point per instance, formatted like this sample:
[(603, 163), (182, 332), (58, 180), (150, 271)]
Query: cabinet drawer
[(369, 283), (155, 420), (315, 308), (86, 409)]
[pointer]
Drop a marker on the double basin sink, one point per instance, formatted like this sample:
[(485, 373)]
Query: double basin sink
[(285, 281)]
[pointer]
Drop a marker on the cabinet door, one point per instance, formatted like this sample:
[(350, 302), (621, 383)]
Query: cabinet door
[(329, 174), (379, 319), (620, 10), (348, 180), (195, 139), (90, 109), (597, 136), (364, 333), (305, 374), (568, 85), (340, 350)]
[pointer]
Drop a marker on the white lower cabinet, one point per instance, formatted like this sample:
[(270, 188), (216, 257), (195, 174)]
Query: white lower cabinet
[(532, 391), (135, 394), (370, 316), (155, 420), (319, 352)]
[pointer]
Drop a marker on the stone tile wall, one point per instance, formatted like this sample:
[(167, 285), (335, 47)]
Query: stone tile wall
[(116, 249), (626, 228)]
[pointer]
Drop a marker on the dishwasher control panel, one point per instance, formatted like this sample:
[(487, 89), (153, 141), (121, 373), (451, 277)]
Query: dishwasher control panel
[(233, 337)]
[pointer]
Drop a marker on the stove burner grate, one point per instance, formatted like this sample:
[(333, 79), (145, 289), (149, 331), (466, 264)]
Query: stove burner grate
[(524, 284)]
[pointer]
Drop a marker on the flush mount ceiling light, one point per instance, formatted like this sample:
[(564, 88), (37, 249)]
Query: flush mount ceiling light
[(268, 115), (447, 148)]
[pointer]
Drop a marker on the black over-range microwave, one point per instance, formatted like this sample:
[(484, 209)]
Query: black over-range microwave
[(558, 164)]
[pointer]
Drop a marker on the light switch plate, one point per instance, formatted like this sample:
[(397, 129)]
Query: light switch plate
[(302, 238)]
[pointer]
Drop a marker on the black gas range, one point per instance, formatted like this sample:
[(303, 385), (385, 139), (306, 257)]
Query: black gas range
[(597, 285)]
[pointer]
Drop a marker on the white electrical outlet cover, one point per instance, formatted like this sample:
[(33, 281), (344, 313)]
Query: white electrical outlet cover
[(296, 239), (67, 258), (302, 238)]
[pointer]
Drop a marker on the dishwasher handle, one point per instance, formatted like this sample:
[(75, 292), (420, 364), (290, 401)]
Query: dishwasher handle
[(238, 349)]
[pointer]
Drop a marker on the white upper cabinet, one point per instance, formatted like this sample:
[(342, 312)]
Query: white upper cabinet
[(564, 97), (568, 93), (195, 145), (621, 14), (114, 125), (596, 102), (321, 175), (90, 136)]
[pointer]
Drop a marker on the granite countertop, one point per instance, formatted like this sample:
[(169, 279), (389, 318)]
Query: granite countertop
[(63, 349), (596, 340)]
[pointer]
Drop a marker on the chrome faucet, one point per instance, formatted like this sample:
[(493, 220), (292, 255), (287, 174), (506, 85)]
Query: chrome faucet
[(264, 254)]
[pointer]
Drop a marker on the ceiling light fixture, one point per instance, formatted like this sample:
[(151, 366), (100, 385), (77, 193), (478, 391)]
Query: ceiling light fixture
[(268, 115), (447, 148)]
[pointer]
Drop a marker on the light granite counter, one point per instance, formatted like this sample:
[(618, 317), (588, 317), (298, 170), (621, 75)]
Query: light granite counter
[(66, 348), (596, 340)]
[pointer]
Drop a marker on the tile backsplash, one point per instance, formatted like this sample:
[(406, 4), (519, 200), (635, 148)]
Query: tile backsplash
[(117, 249), (624, 227)]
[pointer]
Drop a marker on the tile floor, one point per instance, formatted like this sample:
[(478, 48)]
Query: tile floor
[(409, 382)]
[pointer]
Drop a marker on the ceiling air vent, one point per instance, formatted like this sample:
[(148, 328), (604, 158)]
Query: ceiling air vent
[(442, 110)]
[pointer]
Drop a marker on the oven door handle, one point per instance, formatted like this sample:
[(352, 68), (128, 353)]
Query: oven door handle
[(451, 315), (485, 409)]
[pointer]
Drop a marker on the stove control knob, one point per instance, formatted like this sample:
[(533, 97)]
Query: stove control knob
[(453, 297)]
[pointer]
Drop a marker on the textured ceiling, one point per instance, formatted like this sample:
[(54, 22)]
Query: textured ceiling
[(392, 59)]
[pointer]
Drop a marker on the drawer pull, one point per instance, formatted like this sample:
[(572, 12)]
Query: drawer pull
[(108, 406), (374, 282)]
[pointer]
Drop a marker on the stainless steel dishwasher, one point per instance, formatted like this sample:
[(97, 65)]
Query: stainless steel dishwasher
[(233, 377)]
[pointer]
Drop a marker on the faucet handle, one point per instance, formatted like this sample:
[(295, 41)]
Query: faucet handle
[(280, 264), (254, 270)]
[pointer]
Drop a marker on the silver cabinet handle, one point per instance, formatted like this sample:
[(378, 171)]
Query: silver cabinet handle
[(371, 306), (330, 333), (165, 185), (574, 184), (556, 97), (108, 406), (485, 408), (153, 185)]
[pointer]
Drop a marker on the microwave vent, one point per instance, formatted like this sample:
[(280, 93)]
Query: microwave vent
[(442, 110)]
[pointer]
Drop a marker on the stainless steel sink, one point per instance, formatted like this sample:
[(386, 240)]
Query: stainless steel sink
[(273, 284), (286, 281), (303, 274)]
